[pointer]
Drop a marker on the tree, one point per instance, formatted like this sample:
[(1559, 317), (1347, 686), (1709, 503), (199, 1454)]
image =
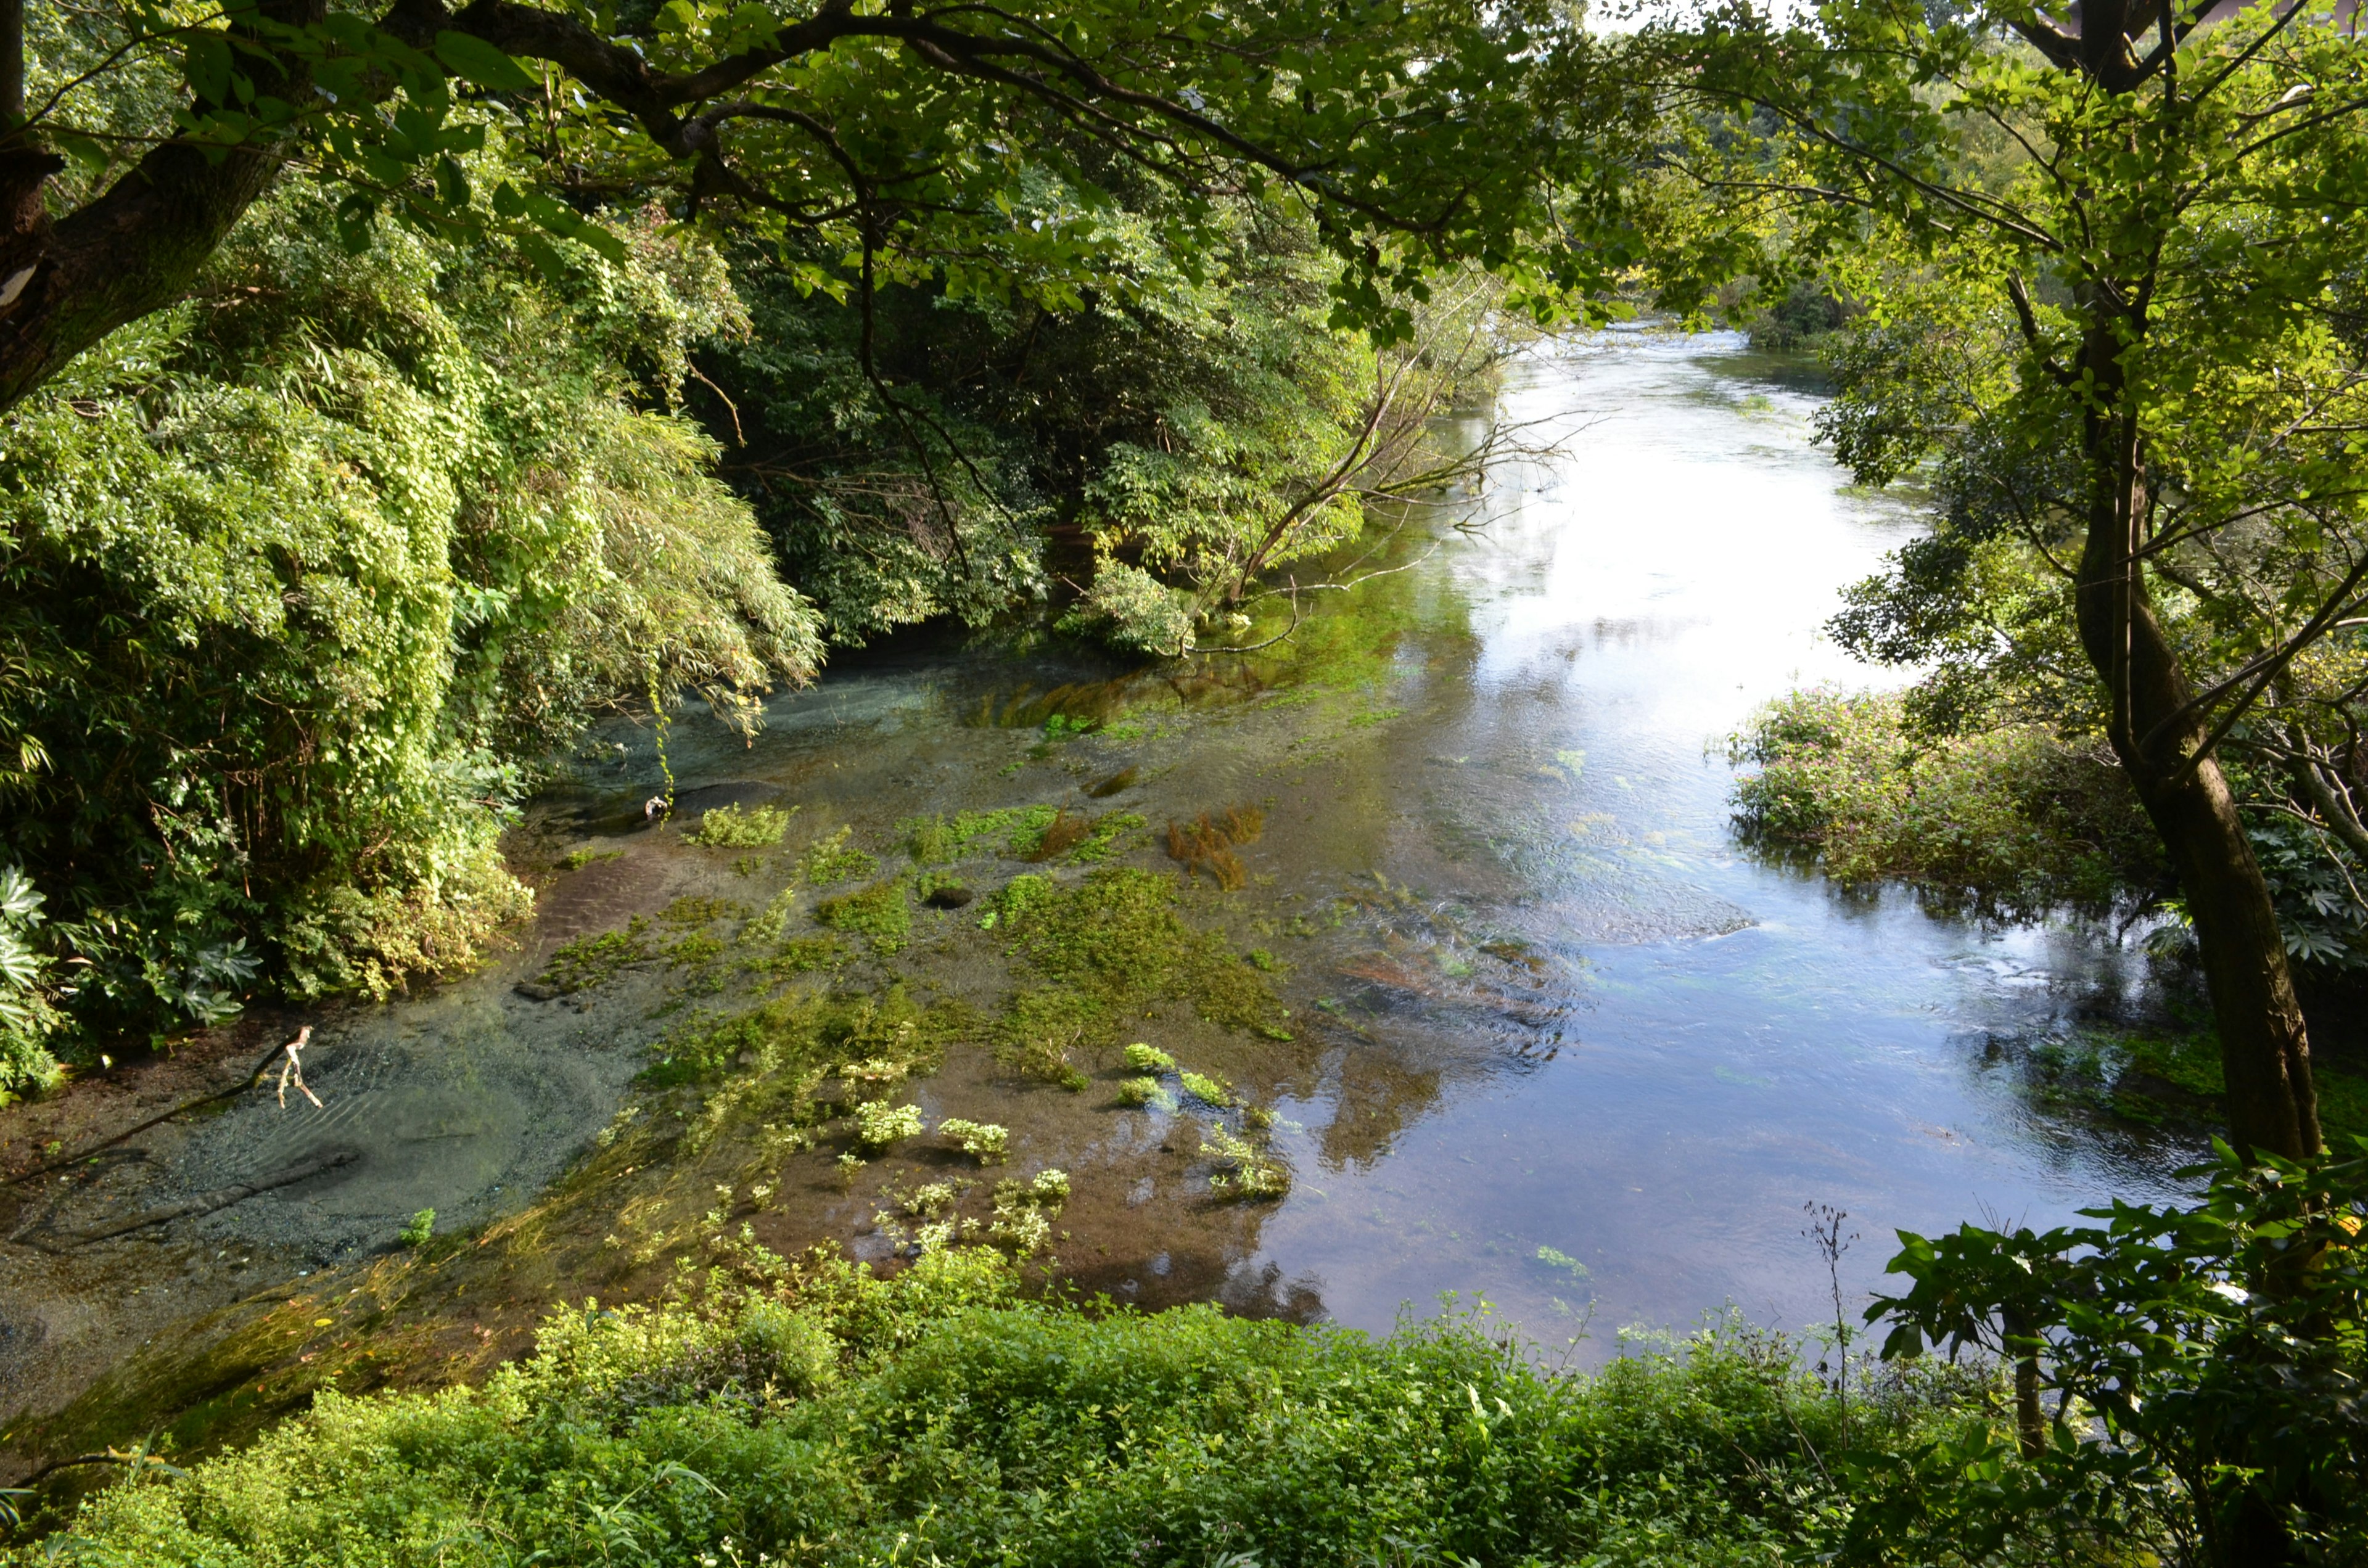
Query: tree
[(916, 136), (2159, 222)]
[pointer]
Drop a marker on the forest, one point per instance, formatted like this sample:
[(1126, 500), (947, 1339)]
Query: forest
[(400, 405)]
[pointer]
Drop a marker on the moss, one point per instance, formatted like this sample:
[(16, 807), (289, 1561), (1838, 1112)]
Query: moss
[(1105, 951), (831, 860), (882, 914), (730, 827), (1014, 830), (577, 859), (588, 961)]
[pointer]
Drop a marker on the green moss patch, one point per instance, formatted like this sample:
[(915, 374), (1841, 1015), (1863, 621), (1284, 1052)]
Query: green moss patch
[(883, 913), (1104, 952)]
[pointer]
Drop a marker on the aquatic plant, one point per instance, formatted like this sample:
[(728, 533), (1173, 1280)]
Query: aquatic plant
[(1244, 1171), (828, 861), (1562, 1263), (587, 961), (1024, 1213), (577, 859), (881, 914), (1207, 844), (982, 1141), (879, 1124), (1209, 1090), (695, 910), (731, 827), (1106, 838), (421, 1229), (1014, 830), (1149, 1058), (876, 1075), (1065, 832), (931, 1200)]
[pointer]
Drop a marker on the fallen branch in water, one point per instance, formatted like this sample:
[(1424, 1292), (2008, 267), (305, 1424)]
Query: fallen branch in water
[(303, 1038)]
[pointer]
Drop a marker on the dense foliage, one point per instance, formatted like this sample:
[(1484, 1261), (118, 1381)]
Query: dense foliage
[(2007, 822), (304, 578), (821, 1416), (2187, 1377)]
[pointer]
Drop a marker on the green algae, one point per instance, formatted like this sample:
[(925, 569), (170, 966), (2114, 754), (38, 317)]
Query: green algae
[(882, 914), (1105, 951)]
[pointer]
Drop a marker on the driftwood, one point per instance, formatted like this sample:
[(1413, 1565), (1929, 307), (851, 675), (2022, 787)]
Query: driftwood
[(275, 1053), (203, 1202)]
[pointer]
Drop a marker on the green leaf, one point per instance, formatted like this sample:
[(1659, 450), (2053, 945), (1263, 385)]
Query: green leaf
[(475, 61), (545, 258)]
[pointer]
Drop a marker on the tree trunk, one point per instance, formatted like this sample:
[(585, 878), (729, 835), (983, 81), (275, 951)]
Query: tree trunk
[(2264, 1050), (135, 248)]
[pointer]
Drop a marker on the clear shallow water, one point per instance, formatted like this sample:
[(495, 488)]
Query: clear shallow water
[(1740, 1038), (1541, 998)]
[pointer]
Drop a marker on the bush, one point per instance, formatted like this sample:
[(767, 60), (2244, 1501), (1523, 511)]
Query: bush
[(2010, 821), (2188, 1381), (831, 1417)]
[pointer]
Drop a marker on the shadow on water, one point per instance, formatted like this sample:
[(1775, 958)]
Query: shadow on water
[(1550, 1035)]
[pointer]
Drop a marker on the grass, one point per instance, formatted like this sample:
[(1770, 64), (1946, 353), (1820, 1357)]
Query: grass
[(819, 1415)]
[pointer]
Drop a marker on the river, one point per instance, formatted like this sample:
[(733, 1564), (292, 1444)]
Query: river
[(1557, 1039)]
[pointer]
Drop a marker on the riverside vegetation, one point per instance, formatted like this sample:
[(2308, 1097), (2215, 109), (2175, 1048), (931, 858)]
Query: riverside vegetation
[(385, 399), (2144, 1398)]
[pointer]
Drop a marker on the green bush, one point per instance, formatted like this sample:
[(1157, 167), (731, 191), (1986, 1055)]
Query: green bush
[(301, 582), (2189, 1381), (832, 1417), (2010, 821)]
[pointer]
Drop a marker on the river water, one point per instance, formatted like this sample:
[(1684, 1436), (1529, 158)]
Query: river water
[(1558, 1040)]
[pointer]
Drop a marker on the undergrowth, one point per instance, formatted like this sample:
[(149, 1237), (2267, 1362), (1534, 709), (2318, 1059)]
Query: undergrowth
[(817, 1414)]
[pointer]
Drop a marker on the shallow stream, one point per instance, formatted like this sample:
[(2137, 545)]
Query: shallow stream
[(1558, 1040)]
